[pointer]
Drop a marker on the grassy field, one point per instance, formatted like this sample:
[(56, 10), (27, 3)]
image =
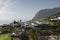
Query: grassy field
[(6, 37)]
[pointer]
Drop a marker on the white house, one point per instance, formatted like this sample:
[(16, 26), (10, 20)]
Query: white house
[(58, 18)]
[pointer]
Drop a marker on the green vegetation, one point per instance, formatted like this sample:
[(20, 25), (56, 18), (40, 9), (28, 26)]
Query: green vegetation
[(4, 37), (40, 32)]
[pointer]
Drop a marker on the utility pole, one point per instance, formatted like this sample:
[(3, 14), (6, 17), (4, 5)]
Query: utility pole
[(13, 29), (21, 23)]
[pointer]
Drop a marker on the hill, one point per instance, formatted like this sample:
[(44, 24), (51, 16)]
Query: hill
[(46, 13)]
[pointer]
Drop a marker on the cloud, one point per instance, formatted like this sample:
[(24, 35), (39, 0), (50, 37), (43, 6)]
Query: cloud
[(6, 12), (12, 9), (4, 6), (3, 3)]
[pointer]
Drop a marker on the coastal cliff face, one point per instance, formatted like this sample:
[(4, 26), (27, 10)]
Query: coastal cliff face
[(46, 13)]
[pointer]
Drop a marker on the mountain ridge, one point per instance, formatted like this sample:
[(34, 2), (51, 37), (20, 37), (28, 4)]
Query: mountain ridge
[(46, 13)]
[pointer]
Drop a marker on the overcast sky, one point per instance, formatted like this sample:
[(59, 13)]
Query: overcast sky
[(23, 9)]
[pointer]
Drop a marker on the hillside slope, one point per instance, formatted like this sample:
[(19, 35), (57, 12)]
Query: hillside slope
[(46, 13)]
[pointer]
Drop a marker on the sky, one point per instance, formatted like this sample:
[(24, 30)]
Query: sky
[(23, 9)]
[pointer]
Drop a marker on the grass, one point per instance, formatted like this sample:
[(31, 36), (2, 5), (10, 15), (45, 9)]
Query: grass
[(6, 37)]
